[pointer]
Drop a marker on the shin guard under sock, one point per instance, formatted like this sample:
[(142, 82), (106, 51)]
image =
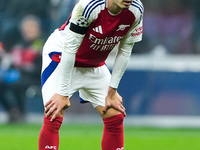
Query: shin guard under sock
[(49, 134), (113, 134)]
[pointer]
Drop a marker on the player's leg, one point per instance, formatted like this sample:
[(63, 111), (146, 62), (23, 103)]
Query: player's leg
[(113, 133), (96, 88), (49, 134)]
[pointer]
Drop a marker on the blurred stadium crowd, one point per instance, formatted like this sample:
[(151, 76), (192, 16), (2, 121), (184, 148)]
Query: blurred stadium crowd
[(25, 25)]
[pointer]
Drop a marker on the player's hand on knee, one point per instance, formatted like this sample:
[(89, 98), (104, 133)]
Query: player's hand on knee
[(56, 106), (114, 100)]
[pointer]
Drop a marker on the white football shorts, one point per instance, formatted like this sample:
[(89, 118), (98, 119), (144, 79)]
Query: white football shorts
[(91, 83)]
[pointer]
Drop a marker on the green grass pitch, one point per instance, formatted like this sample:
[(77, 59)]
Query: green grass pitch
[(88, 137)]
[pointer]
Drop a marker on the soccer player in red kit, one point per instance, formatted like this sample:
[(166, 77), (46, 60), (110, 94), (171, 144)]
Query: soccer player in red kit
[(74, 60)]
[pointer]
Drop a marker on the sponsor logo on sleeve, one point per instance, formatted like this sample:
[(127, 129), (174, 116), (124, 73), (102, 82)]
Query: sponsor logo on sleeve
[(137, 31)]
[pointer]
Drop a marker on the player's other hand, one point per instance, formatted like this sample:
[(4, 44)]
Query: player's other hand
[(56, 106), (114, 100)]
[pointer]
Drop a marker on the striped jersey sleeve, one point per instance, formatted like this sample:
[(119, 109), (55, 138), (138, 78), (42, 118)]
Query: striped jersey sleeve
[(83, 14), (136, 31)]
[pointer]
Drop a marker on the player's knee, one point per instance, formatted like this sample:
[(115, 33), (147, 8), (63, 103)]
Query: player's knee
[(55, 125), (114, 124)]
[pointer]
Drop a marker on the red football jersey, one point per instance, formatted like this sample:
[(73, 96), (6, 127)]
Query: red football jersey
[(103, 30)]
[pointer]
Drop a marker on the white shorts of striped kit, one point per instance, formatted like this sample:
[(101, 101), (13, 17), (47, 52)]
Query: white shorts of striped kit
[(91, 83)]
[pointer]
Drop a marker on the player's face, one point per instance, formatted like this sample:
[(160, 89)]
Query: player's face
[(115, 6), (123, 3)]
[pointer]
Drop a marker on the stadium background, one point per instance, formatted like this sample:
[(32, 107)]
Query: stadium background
[(160, 87)]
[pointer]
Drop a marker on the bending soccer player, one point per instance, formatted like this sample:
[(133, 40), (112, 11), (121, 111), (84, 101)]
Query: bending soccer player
[(74, 60)]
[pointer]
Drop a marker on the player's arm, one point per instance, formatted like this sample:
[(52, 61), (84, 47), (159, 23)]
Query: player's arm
[(60, 100), (122, 58), (125, 49), (113, 99), (74, 36)]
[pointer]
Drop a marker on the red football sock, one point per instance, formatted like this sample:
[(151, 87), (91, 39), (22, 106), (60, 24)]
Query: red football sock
[(49, 134), (113, 134)]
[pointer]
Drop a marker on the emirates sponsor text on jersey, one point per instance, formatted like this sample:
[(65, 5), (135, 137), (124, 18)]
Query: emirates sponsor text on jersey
[(108, 43)]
